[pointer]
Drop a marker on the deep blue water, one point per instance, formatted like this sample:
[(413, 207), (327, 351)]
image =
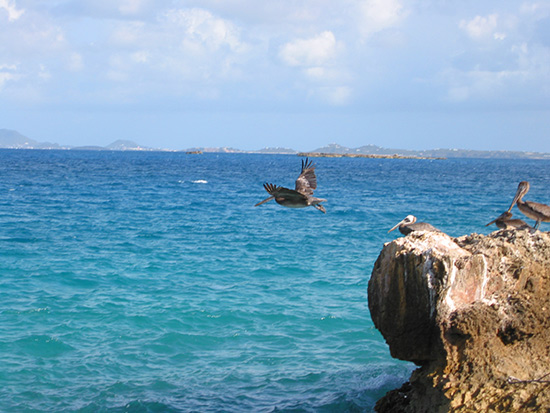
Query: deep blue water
[(148, 281)]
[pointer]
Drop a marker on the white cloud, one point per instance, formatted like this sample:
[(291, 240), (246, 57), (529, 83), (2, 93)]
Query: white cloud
[(528, 76), (479, 26), (493, 26), (540, 8), (31, 39), (8, 67), (140, 56), (76, 62), (377, 15), (129, 7), (477, 84), (334, 95), (514, 69), (178, 47), (319, 60), (11, 9), (201, 26), (314, 51), (119, 69), (44, 73), (330, 75), (5, 77), (128, 33), (317, 72), (10, 74)]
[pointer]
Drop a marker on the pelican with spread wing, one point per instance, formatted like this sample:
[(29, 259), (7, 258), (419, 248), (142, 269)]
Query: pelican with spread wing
[(300, 197), (534, 210)]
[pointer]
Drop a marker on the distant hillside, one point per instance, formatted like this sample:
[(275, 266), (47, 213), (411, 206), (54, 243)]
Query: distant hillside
[(268, 150), (214, 150), (431, 153), (277, 150), (10, 139), (119, 145), (125, 145)]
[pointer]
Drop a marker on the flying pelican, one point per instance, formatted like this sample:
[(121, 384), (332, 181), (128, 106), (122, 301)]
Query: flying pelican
[(302, 196), (409, 225), (505, 221), (533, 210)]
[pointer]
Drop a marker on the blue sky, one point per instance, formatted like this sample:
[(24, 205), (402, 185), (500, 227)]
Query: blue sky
[(416, 74)]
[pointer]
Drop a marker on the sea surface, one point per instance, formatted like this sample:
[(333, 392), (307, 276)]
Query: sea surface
[(149, 282)]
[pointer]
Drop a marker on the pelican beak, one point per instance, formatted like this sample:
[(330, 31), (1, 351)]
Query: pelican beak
[(516, 197), (264, 201), (522, 190), (400, 222)]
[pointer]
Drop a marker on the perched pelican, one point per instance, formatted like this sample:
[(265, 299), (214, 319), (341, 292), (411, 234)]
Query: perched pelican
[(505, 221), (409, 225), (533, 210), (302, 196)]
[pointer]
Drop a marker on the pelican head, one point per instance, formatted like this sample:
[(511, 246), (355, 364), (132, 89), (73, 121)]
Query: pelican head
[(505, 216), (523, 188), (408, 220)]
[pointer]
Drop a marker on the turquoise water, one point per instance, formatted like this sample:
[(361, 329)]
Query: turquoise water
[(136, 281)]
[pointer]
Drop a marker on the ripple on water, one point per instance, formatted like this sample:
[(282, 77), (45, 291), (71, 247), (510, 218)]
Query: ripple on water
[(41, 346)]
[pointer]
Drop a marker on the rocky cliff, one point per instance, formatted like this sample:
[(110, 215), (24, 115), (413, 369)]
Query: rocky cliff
[(473, 313)]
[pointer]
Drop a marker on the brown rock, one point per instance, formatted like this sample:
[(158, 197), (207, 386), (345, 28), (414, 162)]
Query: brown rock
[(474, 313)]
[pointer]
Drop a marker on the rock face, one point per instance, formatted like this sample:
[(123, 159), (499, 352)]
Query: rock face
[(474, 313)]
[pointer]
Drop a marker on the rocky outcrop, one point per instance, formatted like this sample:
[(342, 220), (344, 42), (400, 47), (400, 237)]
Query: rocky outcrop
[(473, 313)]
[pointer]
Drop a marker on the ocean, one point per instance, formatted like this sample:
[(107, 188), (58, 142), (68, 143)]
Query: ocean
[(149, 282)]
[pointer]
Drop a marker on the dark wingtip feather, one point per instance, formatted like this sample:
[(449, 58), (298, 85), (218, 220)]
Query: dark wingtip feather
[(307, 164), (270, 188)]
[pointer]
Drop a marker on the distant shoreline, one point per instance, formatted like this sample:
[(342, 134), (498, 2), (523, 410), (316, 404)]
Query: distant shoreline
[(314, 154), (358, 155), (11, 139)]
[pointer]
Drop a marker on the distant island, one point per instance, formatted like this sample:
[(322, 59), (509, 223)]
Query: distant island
[(359, 155), (10, 139)]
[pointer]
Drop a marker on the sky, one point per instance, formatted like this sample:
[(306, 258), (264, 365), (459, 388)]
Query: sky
[(249, 74)]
